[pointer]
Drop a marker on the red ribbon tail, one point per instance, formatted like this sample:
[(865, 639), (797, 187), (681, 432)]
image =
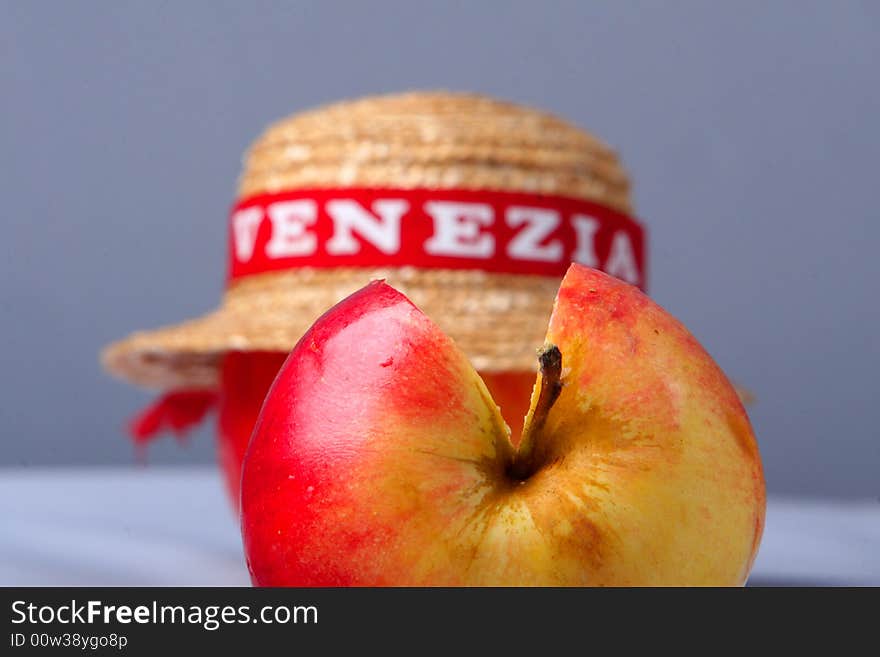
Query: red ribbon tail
[(177, 411)]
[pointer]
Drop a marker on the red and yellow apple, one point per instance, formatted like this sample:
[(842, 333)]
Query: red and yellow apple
[(245, 377), (379, 457)]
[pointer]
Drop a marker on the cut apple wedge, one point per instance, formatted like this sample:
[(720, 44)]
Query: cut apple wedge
[(379, 457)]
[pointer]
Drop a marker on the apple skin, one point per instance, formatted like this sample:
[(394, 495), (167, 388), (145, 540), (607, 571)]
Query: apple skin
[(245, 378), (379, 457)]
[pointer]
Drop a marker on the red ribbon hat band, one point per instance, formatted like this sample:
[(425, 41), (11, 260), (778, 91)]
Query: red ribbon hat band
[(493, 231)]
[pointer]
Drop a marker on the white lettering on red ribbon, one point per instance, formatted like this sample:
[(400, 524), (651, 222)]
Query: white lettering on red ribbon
[(537, 224), (457, 229), (245, 224), (622, 260), (585, 228), (290, 236), (349, 217), (504, 232)]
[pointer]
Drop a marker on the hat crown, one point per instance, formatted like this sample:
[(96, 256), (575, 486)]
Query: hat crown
[(438, 140)]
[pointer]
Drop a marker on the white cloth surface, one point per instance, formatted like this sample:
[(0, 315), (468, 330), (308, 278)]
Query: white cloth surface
[(154, 526)]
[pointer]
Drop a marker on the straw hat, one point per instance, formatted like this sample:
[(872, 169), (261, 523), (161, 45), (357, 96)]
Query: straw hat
[(433, 140)]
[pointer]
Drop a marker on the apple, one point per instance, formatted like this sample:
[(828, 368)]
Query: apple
[(245, 377), (379, 457)]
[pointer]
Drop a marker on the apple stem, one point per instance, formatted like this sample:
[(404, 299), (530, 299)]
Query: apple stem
[(550, 361)]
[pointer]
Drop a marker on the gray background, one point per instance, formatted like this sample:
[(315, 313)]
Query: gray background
[(750, 130)]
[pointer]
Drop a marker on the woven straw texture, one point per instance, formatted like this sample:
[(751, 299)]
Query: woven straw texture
[(415, 140)]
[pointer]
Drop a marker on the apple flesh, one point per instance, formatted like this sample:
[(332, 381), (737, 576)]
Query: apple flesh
[(379, 457)]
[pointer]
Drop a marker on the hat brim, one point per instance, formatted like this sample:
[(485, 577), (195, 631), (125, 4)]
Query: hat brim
[(498, 320)]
